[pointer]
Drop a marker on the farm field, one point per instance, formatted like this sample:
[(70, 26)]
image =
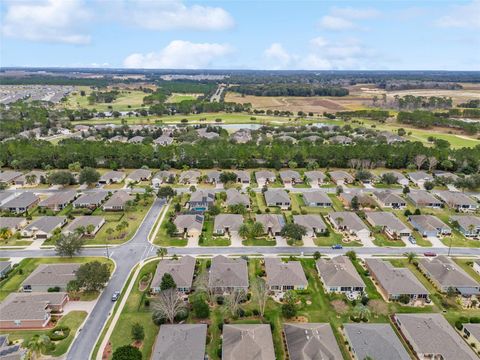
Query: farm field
[(176, 98)]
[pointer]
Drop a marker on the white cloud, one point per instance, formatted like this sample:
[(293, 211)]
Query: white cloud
[(462, 16), (173, 14), (46, 20), (319, 42), (352, 13), (179, 55), (330, 22), (277, 56)]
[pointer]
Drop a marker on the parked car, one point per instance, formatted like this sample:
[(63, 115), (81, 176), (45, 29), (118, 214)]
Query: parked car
[(429, 254), (337, 247), (115, 295)]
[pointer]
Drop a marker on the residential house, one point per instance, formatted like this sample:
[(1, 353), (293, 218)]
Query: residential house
[(457, 200), (364, 200), (392, 138), (43, 227), (338, 275), (13, 224), (117, 201), (139, 175), (446, 274), (213, 177), (85, 222), (389, 224), (31, 178), (209, 135), (315, 177), (312, 138), (21, 203), (30, 311), (277, 198), (272, 223), (286, 138), (445, 176), (264, 177), (189, 177), (59, 200), (340, 177), (228, 274), (471, 332), (235, 197), (247, 342), (468, 225), (5, 267), (422, 198), (374, 341), (340, 139), (201, 200), (394, 282), (180, 342), (136, 140), (242, 136), (401, 179), (290, 177), (6, 196), (112, 177), (309, 341), (243, 176), (349, 222), (118, 138), (8, 177), (163, 177), (163, 140), (388, 199), (226, 224), (312, 223), (90, 200), (11, 351), (50, 276), (284, 276), (182, 271), (432, 337), (429, 225), (317, 199), (419, 178), (189, 225)]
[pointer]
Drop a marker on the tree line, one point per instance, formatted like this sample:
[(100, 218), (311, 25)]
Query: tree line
[(290, 90)]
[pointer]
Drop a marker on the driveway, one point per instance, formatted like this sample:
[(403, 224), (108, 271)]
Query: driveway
[(235, 240), (308, 241), (193, 241), (367, 241), (79, 306), (281, 241), (435, 241)]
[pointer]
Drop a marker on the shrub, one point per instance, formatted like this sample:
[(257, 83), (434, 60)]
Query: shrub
[(147, 302), (54, 289), (59, 333), (240, 312), (181, 315), (458, 325), (255, 312), (365, 300), (220, 300), (475, 320), (158, 318), (127, 352), (404, 299), (201, 309), (288, 310)]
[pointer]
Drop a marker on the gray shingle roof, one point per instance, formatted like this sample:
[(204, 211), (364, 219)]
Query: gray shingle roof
[(455, 198), (388, 197), (264, 175), (339, 271), (28, 306), (139, 174), (276, 196), (290, 175), (113, 176), (181, 270), (315, 175), (118, 199), (190, 222), (396, 281), (316, 197), (388, 220), (337, 175), (350, 220), (273, 221), (231, 221), (422, 197), (52, 274), (84, 221), (46, 224), (91, 198), (378, 341), (310, 222), (59, 198), (180, 342), (429, 222), (23, 200), (311, 341), (465, 221), (236, 197), (432, 334), (228, 272), (281, 273), (11, 222), (447, 273), (247, 342)]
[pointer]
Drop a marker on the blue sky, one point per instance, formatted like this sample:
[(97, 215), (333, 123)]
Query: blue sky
[(242, 34)]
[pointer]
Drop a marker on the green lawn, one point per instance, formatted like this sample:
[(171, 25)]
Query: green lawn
[(27, 266), (163, 239), (136, 311), (209, 239), (176, 98), (383, 240), (73, 320), (259, 242), (126, 98)]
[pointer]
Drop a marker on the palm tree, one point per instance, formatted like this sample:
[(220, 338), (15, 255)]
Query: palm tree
[(5, 233), (257, 229), (244, 231), (38, 344), (362, 312), (161, 252), (410, 256)]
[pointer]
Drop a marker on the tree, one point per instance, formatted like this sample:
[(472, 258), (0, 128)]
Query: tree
[(37, 344), (166, 192), (127, 352), (138, 332), (354, 204), (234, 299), (200, 308), (93, 276), (88, 176), (428, 185), (419, 160), (228, 177), (161, 252), (361, 312), (244, 231), (169, 304), (352, 255), (69, 245), (404, 299), (411, 256), (317, 255), (61, 177), (167, 282), (289, 310), (90, 229), (261, 290), (256, 229), (432, 163), (388, 178), (170, 228), (293, 231)]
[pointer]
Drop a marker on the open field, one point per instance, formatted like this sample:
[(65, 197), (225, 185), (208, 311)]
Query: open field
[(126, 100), (176, 98)]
